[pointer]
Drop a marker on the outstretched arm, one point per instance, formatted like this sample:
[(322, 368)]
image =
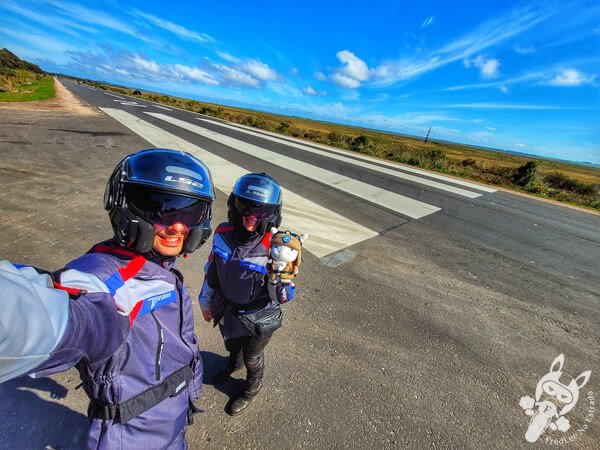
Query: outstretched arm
[(42, 330), (33, 320)]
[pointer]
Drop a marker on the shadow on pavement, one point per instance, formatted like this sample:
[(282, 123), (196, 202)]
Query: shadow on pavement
[(212, 364), (29, 421)]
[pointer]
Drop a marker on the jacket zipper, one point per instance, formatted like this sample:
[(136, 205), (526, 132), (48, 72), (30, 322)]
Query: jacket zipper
[(252, 289), (159, 349)]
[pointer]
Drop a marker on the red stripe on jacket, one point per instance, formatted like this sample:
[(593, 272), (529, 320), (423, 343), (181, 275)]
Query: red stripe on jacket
[(224, 229)]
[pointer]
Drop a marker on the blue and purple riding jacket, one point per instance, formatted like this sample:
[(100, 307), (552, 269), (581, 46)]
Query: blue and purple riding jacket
[(130, 333), (236, 274)]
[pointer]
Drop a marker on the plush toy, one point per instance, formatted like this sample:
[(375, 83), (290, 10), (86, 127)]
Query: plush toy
[(285, 255)]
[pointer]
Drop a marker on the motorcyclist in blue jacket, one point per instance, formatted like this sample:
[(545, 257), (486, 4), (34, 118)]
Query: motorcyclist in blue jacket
[(120, 313), (236, 282)]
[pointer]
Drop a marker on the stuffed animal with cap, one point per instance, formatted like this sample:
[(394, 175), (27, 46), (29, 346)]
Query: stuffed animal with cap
[(285, 254)]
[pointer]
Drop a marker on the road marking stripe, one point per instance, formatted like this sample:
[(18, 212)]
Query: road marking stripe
[(329, 231), (129, 103), (113, 95), (162, 107), (397, 166), (366, 165), (390, 200)]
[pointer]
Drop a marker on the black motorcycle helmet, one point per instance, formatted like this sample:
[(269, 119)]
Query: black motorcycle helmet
[(255, 194), (159, 186)]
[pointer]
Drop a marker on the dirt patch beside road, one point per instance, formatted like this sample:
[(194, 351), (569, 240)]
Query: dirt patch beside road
[(62, 101)]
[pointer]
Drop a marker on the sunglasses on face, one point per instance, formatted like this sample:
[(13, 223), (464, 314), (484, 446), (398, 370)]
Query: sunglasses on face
[(166, 209), (251, 208)]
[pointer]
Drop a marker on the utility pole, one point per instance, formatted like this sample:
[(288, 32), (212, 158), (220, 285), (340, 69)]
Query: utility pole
[(427, 137)]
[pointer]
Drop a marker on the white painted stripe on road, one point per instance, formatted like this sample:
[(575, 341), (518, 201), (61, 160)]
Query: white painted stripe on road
[(162, 107), (129, 103), (390, 200), (329, 231), (365, 165), (396, 166), (113, 95)]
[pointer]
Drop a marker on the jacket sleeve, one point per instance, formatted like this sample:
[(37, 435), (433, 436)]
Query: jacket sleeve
[(281, 292), (210, 284), (44, 331), (33, 320)]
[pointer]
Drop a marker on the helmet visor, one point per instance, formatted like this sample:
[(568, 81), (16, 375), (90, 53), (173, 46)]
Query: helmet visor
[(251, 208), (165, 208), (258, 187)]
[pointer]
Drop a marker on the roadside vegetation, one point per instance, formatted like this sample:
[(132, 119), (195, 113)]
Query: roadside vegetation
[(573, 183), (21, 81)]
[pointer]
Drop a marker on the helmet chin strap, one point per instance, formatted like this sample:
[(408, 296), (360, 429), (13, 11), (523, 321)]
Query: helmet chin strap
[(158, 258), (244, 234)]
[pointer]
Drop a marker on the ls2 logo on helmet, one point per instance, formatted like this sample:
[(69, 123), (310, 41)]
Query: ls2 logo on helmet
[(257, 191), (184, 180)]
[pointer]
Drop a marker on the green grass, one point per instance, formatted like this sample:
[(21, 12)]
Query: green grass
[(36, 90)]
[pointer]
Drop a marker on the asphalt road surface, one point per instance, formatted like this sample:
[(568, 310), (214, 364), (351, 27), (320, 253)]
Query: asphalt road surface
[(427, 306)]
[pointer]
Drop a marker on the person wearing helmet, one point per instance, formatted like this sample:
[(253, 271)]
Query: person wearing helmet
[(236, 287), (120, 313)]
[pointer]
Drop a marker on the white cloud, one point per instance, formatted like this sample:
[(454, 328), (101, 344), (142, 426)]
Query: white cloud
[(294, 71), (352, 72), (50, 20), (260, 70), (94, 16), (531, 76), (309, 90), (320, 76), (382, 97), (146, 65), (284, 90), (194, 74), (484, 105), (525, 50), (174, 28), (480, 136), (235, 77), (571, 77), (354, 67), (335, 110), (351, 95), (43, 42), (504, 89), (415, 122), (429, 21), (138, 68), (345, 81), (520, 145), (227, 57), (490, 128), (488, 67), (488, 34)]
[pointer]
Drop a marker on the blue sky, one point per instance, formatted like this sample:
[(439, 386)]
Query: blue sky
[(521, 76)]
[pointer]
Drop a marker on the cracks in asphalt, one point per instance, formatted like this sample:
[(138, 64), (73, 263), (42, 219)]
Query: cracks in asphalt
[(92, 133)]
